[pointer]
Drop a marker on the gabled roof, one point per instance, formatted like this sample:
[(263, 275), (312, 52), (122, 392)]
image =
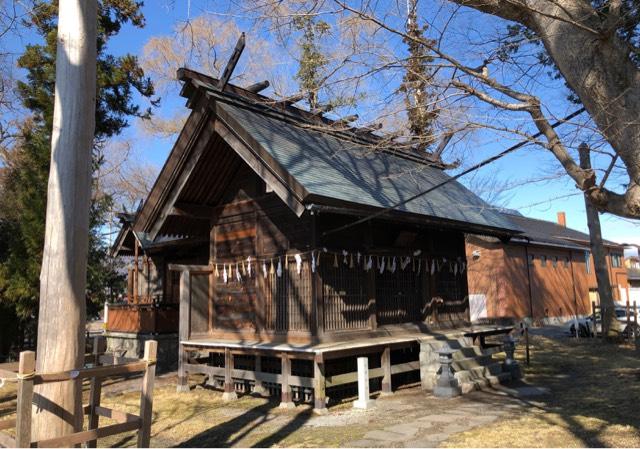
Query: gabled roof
[(305, 159), (550, 233)]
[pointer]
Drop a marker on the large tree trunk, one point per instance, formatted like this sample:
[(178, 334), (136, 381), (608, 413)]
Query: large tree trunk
[(609, 328), (595, 63), (61, 326)]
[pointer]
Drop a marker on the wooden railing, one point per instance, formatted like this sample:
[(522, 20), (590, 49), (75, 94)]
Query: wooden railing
[(27, 377), (142, 318)]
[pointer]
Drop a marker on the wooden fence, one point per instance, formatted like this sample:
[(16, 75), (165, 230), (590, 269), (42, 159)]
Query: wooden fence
[(27, 378)]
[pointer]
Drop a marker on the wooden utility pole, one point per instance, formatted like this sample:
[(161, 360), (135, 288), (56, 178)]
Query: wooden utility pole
[(62, 315), (607, 307)]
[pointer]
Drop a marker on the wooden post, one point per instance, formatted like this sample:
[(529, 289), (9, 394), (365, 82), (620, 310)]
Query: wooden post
[(385, 362), (258, 388), (319, 386), (635, 322), (629, 330), (285, 397), (99, 347), (146, 396), (183, 330), (526, 342), (229, 387), (26, 371), (593, 319)]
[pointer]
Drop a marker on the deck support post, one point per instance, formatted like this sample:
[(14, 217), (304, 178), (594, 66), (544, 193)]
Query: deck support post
[(258, 388), (286, 400), (385, 362), (319, 385), (183, 329), (229, 388)]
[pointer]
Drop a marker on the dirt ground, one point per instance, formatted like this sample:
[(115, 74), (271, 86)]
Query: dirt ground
[(576, 393)]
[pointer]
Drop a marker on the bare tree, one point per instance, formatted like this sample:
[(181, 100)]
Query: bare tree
[(500, 91), (61, 326)]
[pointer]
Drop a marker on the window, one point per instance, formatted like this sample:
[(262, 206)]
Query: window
[(616, 260), (587, 261), (554, 262), (543, 261), (531, 259), (566, 262)]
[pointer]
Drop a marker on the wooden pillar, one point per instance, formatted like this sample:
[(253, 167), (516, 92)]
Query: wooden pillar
[(229, 387), (26, 370), (385, 362), (319, 386), (95, 390), (258, 388), (146, 396), (183, 332), (136, 284), (286, 400)]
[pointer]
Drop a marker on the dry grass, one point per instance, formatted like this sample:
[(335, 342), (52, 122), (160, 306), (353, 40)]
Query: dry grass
[(594, 400)]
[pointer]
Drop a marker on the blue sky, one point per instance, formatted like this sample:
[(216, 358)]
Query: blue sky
[(540, 200)]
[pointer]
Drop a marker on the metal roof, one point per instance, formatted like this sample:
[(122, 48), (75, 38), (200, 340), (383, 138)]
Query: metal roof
[(549, 232), (346, 170)]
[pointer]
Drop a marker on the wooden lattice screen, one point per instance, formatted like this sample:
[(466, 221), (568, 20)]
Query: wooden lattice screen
[(399, 297), (288, 297), (346, 305)]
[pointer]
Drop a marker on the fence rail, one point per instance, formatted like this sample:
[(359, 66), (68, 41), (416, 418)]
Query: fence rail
[(26, 377)]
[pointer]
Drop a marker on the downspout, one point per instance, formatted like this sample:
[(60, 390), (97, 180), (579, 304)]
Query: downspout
[(526, 253)]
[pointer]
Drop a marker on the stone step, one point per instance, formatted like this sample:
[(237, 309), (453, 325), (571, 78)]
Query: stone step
[(479, 372), (460, 364), (484, 382)]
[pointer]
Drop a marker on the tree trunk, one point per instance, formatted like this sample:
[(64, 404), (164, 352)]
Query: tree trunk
[(61, 326), (607, 305)]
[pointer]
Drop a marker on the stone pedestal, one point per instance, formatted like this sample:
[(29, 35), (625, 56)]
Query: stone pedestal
[(363, 402), (510, 365), (446, 385)]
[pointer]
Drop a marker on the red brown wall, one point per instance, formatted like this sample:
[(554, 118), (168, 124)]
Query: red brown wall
[(502, 274)]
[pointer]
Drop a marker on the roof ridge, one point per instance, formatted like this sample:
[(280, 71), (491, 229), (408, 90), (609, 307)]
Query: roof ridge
[(294, 115)]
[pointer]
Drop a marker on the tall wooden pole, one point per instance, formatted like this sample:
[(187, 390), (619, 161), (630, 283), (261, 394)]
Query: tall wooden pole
[(61, 326), (599, 255)]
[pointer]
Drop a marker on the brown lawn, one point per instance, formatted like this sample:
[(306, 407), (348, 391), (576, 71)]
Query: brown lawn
[(594, 400)]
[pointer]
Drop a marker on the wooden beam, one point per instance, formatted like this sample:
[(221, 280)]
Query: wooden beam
[(287, 190), (197, 211), (258, 87), (94, 434), (183, 328), (194, 269), (231, 65), (182, 176)]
